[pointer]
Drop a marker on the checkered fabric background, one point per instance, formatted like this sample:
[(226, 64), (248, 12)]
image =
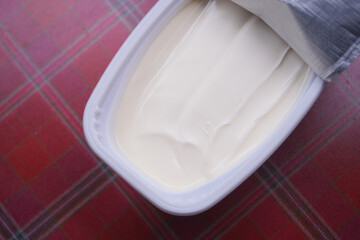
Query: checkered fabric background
[(52, 53)]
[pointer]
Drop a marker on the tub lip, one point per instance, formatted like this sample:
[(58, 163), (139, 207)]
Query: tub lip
[(193, 201)]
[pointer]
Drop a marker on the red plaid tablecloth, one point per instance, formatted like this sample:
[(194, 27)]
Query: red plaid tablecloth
[(52, 53)]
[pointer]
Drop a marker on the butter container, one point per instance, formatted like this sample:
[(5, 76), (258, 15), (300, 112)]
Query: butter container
[(99, 120)]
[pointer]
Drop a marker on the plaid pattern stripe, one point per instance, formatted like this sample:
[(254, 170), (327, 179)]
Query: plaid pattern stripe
[(52, 54)]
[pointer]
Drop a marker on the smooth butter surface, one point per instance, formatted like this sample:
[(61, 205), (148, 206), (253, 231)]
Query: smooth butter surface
[(211, 88)]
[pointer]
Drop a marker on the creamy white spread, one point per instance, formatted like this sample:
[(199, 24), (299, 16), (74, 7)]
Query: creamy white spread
[(214, 84)]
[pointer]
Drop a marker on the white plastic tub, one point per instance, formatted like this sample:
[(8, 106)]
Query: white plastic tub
[(99, 117)]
